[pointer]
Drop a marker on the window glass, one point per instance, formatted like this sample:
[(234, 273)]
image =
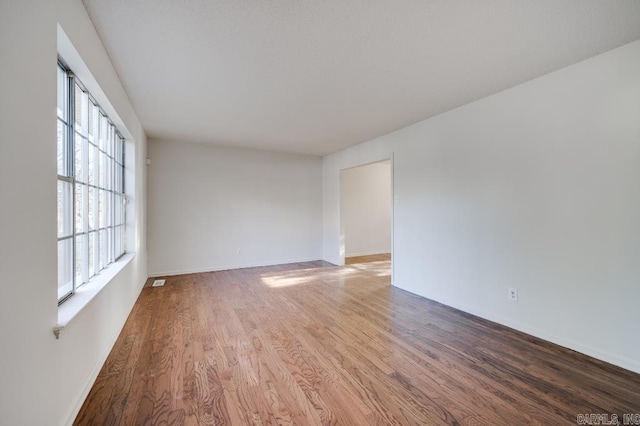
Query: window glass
[(90, 164), (65, 209), (65, 267)]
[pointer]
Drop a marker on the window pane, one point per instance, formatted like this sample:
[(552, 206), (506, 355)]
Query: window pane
[(65, 209), (121, 172), (81, 111), (105, 163), (123, 206), (121, 178), (63, 153), (104, 125), (81, 161), (102, 208), (81, 208), (117, 182), (109, 173), (103, 170), (118, 241), (117, 155), (77, 108), (109, 202), (62, 94), (92, 253), (93, 155), (90, 154), (121, 153), (65, 267), (103, 249), (118, 207), (93, 118), (123, 239), (110, 234), (85, 114), (81, 260), (108, 147), (114, 138), (92, 208), (114, 146)]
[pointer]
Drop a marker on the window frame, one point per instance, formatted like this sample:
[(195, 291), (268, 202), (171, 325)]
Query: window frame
[(103, 179)]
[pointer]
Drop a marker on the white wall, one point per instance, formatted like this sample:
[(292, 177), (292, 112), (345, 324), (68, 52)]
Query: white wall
[(206, 202), (366, 209), (536, 188), (43, 380)]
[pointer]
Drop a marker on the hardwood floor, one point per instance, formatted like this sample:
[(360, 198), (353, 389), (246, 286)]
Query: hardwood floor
[(312, 343), (366, 259)]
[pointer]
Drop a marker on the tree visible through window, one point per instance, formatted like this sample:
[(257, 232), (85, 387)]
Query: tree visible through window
[(91, 199)]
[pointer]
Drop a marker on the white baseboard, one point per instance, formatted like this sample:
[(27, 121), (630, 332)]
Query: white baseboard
[(367, 253), (606, 356)]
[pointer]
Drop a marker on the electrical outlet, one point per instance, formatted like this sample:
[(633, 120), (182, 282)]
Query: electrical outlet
[(513, 294)]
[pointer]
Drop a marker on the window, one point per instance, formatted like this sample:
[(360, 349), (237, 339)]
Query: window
[(91, 199)]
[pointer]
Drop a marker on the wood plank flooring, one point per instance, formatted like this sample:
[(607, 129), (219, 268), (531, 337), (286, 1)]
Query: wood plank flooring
[(315, 344), (366, 259)]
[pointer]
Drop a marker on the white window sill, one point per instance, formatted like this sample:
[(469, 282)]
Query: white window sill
[(69, 310)]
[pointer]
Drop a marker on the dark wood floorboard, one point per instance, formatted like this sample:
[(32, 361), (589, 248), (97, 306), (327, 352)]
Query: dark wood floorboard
[(316, 344)]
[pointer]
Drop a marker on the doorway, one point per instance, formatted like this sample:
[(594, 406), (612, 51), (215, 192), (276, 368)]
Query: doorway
[(366, 212)]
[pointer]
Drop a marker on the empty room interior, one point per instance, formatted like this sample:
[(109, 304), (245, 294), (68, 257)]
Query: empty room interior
[(320, 212)]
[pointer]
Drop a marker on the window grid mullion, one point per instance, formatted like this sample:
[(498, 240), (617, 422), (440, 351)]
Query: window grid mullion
[(112, 198), (86, 273), (71, 169), (98, 195), (96, 201)]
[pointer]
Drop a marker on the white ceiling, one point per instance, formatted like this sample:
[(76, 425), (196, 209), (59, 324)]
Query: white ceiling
[(318, 76)]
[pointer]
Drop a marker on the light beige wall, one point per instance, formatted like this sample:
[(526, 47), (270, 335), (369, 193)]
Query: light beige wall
[(534, 188), (365, 194), (213, 208), (44, 380)]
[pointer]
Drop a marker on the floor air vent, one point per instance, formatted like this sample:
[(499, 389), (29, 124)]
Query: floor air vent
[(158, 283)]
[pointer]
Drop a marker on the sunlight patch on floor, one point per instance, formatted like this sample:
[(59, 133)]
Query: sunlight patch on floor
[(318, 275), (279, 281), (378, 269), (303, 276)]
